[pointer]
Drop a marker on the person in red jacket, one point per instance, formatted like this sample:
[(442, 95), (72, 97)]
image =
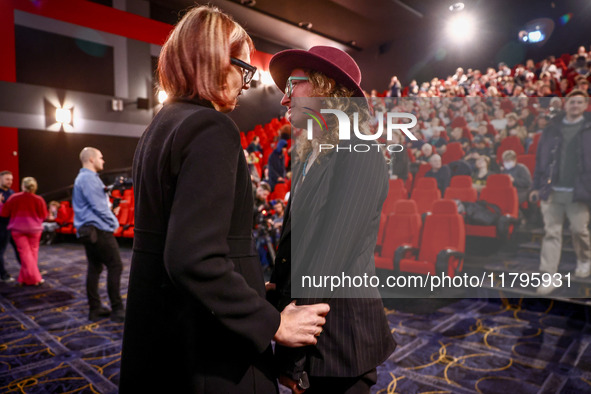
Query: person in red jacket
[(26, 212)]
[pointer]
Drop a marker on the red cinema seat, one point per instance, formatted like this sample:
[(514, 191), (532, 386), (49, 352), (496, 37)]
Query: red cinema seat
[(279, 193), (499, 191), (122, 217), (408, 183), (65, 218), (383, 221), (529, 161), (458, 121), (424, 193), (423, 169), (453, 152), (396, 192), (127, 196), (442, 244), (402, 227), (128, 228), (510, 143), (460, 188), (533, 148)]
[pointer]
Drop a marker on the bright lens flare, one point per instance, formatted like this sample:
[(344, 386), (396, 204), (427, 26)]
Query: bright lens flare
[(162, 96), (461, 28)]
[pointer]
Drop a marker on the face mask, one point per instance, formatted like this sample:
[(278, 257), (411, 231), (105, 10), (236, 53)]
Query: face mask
[(508, 164)]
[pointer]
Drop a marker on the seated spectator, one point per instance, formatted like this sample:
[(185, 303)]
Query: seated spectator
[(399, 161), (460, 167), (276, 164), (564, 87), (255, 145), (49, 225), (481, 172), (437, 140), (425, 154), (518, 173), (252, 160), (482, 131), (582, 84), (440, 172), (457, 135), (499, 122), (479, 148)]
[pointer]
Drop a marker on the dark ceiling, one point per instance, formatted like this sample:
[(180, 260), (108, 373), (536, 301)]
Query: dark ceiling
[(405, 34)]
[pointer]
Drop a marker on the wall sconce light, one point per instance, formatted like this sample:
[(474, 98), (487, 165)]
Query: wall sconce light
[(63, 116), (162, 96)]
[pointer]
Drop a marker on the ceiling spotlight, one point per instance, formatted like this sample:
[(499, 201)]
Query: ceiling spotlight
[(461, 28), (305, 25), (456, 7)]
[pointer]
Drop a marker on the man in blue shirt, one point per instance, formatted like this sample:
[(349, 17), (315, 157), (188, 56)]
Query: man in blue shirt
[(95, 224)]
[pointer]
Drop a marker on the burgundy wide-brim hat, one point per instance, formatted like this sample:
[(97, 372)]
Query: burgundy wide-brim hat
[(332, 62)]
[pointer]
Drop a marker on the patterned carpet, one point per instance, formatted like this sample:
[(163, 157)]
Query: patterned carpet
[(47, 345)]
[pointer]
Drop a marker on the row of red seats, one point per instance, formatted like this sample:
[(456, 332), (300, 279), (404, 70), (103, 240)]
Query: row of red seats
[(499, 190), (65, 215), (406, 244)]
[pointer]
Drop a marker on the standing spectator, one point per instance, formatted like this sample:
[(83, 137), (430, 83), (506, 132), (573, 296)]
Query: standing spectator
[(5, 192), (395, 88), (26, 212), (561, 181), (441, 173), (276, 164), (95, 224), (255, 145), (399, 161), (197, 318), (519, 174)]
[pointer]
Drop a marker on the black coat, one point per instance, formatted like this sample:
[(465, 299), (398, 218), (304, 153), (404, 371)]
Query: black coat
[(548, 160), (334, 215), (197, 320)]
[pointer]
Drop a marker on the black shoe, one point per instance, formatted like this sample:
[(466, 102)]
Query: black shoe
[(7, 278), (98, 314), (118, 315)]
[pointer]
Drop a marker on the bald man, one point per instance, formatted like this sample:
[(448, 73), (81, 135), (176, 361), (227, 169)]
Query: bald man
[(95, 223)]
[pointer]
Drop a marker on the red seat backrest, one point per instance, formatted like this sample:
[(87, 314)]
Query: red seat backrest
[(396, 191), (529, 161), (443, 228), (453, 152), (533, 148), (403, 226), (424, 193), (510, 143), (460, 188), (500, 191)]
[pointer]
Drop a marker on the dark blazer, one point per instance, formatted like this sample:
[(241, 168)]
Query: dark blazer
[(197, 320), (330, 227)]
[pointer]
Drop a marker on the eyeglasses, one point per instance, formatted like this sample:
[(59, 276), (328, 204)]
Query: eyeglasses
[(289, 84), (247, 70)]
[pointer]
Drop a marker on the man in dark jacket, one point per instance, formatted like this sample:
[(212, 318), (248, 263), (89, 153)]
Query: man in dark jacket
[(562, 181)]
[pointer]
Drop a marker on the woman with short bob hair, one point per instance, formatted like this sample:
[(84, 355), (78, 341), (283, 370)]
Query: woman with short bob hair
[(197, 319)]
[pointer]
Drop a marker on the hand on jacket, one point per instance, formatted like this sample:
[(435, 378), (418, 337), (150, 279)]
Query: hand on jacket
[(290, 384), (300, 325)]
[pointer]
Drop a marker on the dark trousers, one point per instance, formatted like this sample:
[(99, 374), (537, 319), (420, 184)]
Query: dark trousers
[(105, 251), (5, 238), (357, 385)]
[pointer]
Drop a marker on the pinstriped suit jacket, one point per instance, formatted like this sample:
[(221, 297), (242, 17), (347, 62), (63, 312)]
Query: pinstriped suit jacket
[(331, 227)]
